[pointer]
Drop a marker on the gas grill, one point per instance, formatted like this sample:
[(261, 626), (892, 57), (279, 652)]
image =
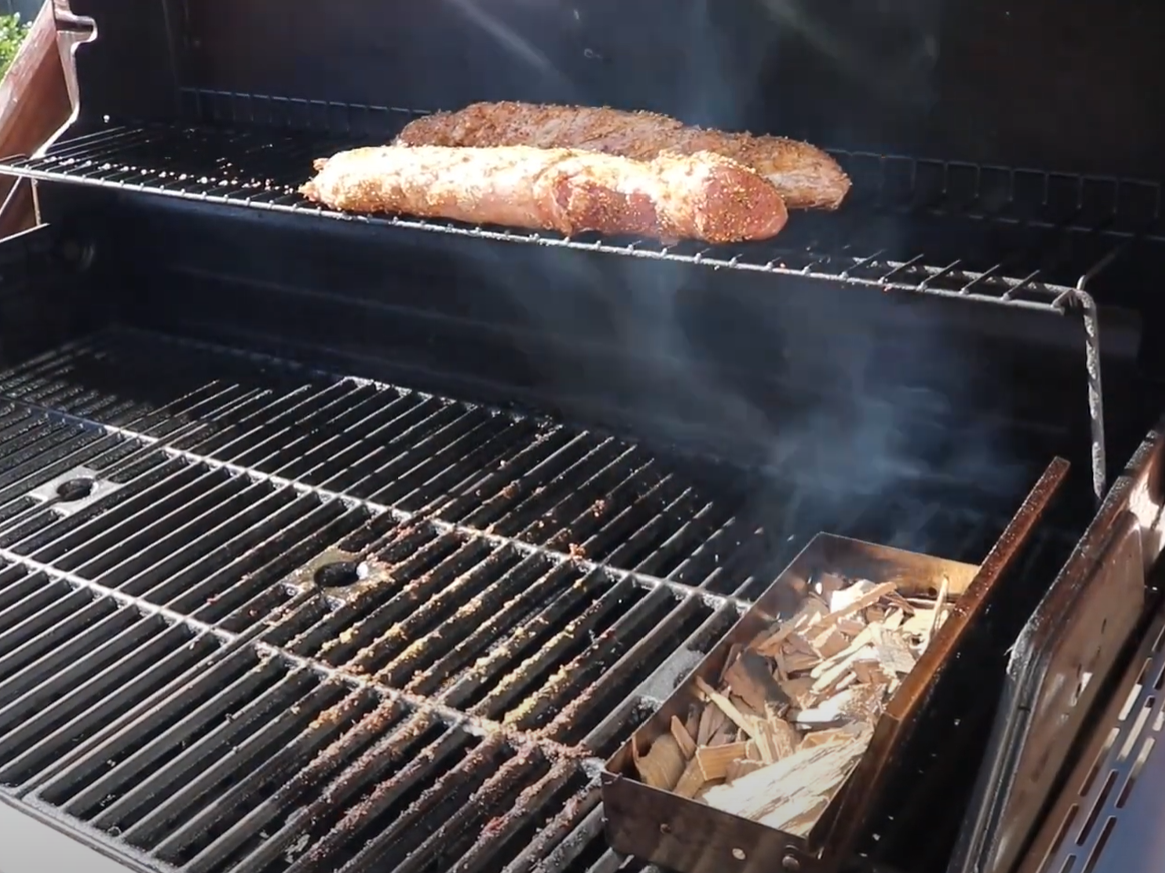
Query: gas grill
[(352, 543)]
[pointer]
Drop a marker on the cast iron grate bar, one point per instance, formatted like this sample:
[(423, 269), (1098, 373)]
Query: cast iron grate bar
[(143, 778), (262, 167), (425, 588), (440, 676)]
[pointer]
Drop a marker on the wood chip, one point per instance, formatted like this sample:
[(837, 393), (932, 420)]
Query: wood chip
[(726, 733), (813, 606), (919, 623), (692, 723), (742, 707), (833, 710), (866, 702), (775, 640), (896, 599), (796, 643), (846, 597), (798, 662), (749, 678), (859, 644), (847, 680), (891, 652), (869, 672), (851, 627), (830, 642), (833, 735), (893, 620), (781, 738), (779, 795), (940, 605), (711, 720), (682, 737), (740, 768), (713, 762), (868, 598), (801, 690), (691, 781), (766, 750), (733, 654), (663, 765), (834, 674), (725, 706)]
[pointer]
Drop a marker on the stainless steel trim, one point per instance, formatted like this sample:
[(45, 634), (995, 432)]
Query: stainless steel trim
[(1062, 659), (28, 845), (1110, 817)]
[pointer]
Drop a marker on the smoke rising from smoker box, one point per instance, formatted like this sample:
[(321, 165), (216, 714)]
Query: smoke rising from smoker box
[(862, 424), (845, 407)]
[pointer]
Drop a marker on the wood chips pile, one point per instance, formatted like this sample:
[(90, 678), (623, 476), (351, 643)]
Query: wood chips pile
[(796, 707)]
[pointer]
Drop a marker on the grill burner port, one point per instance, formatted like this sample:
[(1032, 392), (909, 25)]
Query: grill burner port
[(75, 489), (339, 574)]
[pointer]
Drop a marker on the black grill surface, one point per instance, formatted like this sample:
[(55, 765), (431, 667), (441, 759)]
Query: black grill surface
[(255, 617)]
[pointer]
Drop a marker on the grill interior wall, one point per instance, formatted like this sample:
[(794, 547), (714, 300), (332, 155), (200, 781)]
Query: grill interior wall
[(1051, 85)]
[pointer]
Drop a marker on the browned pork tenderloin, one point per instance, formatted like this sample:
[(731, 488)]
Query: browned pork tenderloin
[(702, 196), (806, 176)]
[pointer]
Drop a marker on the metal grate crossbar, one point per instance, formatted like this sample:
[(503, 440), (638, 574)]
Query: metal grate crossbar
[(268, 619)]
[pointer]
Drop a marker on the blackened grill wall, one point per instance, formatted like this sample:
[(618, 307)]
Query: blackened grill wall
[(1071, 85)]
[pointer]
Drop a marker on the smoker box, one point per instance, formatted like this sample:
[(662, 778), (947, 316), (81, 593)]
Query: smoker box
[(941, 700), (691, 837)]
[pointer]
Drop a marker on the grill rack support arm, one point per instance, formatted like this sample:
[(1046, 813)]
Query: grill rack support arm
[(1095, 394), (1091, 318)]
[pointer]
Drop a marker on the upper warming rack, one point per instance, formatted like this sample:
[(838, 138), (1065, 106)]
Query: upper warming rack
[(256, 151)]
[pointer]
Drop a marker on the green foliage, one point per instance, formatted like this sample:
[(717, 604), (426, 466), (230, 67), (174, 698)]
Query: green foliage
[(12, 32)]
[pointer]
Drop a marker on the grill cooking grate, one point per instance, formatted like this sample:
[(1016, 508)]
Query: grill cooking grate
[(174, 677), (1067, 229)]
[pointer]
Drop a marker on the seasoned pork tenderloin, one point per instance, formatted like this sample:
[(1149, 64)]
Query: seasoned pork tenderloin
[(701, 196), (807, 177)]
